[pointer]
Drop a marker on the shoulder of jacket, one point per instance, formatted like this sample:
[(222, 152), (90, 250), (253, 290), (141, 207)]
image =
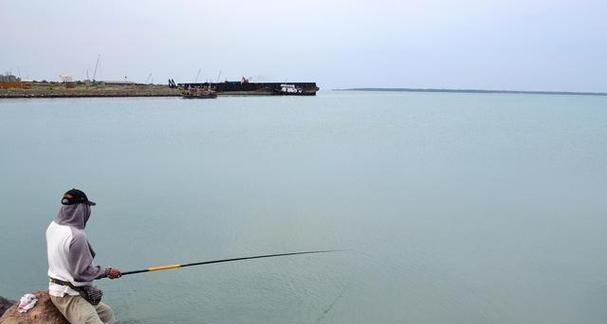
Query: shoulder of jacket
[(77, 234)]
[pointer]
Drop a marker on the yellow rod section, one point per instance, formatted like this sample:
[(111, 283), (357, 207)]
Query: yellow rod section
[(164, 267)]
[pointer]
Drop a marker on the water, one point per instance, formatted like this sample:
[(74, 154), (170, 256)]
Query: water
[(458, 208)]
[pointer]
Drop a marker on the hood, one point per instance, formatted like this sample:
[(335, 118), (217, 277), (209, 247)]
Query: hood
[(74, 215)]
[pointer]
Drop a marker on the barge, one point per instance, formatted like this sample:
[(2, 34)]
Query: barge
[(246, 88)]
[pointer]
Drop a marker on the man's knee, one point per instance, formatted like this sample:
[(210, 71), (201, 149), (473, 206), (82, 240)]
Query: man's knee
[(106, 314)]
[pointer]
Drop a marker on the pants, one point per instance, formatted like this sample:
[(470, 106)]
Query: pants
[(78, 311)]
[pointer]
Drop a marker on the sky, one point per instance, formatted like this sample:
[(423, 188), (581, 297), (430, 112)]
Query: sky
[(552, 45)]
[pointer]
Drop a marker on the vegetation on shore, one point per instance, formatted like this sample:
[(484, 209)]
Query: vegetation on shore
[(80, 89)]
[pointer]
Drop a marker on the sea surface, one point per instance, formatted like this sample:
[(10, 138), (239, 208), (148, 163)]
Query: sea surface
[(455, 208)]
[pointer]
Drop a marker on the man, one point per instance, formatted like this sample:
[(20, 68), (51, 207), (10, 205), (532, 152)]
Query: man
[(70, 262)]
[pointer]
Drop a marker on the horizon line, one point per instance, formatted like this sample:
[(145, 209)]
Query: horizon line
[(390, 89)]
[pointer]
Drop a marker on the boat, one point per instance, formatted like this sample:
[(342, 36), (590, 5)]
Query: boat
[(247, 88), (199, 93)]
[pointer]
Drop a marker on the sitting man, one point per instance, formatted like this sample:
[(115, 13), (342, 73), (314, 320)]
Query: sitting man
[(70, 263)]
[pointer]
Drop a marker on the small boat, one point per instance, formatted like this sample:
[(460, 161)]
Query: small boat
[(199, 93)]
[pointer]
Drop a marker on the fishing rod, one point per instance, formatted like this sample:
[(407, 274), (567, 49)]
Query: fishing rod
[(177, 266)]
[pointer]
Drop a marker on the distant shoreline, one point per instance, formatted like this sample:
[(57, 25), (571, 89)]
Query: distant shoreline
[(567, 93), (46, 90)]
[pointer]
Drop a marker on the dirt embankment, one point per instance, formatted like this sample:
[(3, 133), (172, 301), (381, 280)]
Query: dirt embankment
[(43, 312), (59, 90)]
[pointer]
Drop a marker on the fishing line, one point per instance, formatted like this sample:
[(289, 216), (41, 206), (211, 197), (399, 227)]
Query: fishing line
[(330, 307)]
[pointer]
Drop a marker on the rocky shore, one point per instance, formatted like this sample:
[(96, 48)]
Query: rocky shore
[(59, 90), (5, 304), (43, 312)]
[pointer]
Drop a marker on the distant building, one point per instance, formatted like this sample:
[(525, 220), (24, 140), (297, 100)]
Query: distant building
[(9, 81), (7, 77), (65, 78)]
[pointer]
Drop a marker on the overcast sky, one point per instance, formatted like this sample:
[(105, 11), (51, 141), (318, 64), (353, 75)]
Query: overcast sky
[(501, 44)]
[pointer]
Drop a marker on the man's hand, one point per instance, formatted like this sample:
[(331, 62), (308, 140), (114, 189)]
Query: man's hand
[(113, 273)]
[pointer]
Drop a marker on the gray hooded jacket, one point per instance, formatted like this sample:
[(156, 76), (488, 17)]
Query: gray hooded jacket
[(70, 255)]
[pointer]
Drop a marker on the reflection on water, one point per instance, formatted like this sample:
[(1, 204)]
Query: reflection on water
[(460, 208)]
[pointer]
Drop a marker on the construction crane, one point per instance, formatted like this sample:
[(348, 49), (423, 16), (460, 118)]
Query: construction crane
[(147, 80), (197, 75), (96, 64)]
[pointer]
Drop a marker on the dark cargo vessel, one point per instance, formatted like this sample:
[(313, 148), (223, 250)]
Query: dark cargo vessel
[(246, 88)]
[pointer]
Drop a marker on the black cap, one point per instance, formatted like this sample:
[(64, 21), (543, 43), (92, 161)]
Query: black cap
[(76, 196)]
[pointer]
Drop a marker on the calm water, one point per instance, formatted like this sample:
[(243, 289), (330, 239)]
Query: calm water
[(459, 208)]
